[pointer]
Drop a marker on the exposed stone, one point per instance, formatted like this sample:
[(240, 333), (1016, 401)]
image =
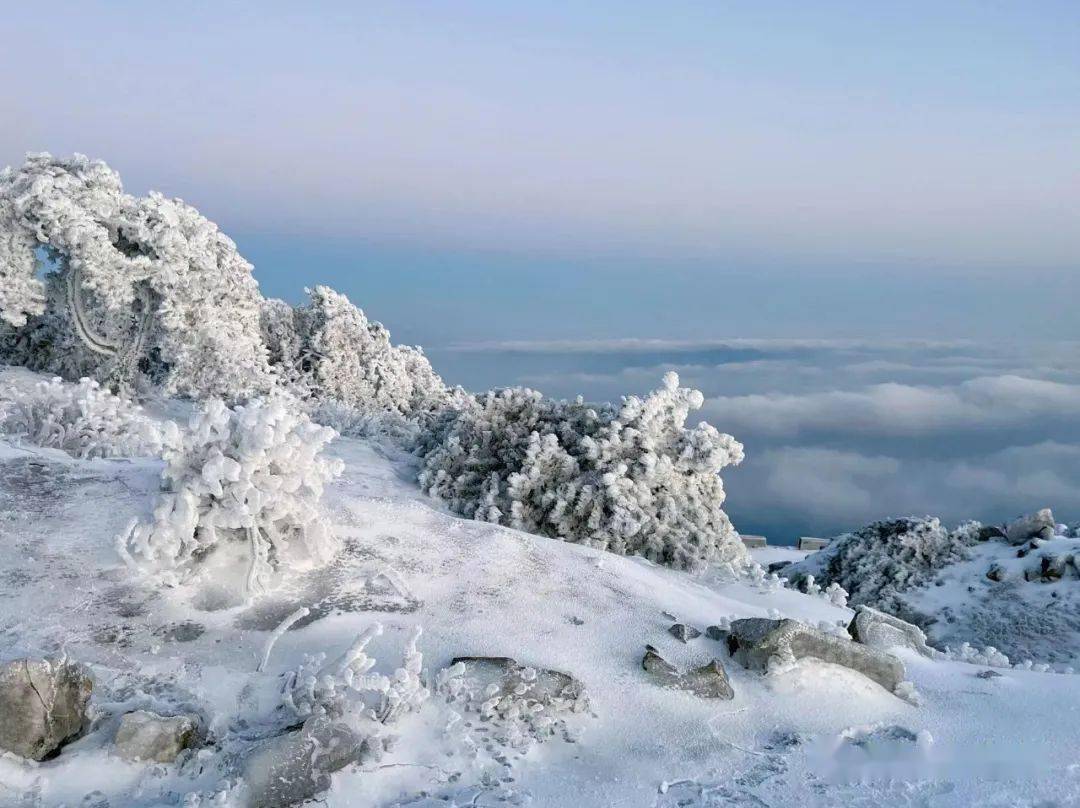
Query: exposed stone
[(754, 641), (988, 532), (996, 572), (716, 633), (42, 705), (710, 681), (296, 766), (1054, 567), (989, 673), (876, 629), (143, 735), (683, 632), (1038, 525), (544, 685)]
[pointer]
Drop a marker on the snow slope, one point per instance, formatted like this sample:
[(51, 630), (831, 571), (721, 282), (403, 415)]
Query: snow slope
[(810, 735)]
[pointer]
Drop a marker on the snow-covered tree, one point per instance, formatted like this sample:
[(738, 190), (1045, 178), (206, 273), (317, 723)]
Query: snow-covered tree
[(138, 286), (253, 474), (82, 419), (632, 479), (329, 349)]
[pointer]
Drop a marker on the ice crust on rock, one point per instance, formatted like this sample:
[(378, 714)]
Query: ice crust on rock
[(876, 629), (754, 641)]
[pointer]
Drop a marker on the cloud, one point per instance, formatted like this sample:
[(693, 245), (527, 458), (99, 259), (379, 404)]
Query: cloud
[(825, 481), (899, 409), (799, 490)]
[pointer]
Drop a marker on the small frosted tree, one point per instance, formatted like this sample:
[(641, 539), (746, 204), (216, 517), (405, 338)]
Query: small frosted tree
[(81, 418), (252, 474), (139, 286), (631, 479)]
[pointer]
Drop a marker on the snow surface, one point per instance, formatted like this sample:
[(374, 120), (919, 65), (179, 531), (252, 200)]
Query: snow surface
[(811, 735)]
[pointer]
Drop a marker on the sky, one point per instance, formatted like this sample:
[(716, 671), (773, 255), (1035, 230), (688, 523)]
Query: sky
[(479, 175)]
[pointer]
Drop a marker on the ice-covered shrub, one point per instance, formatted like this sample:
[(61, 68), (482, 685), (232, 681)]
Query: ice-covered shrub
[(632, 479), (328, 350), (877, 562), (255, 474), (139, 287), (82, 419)]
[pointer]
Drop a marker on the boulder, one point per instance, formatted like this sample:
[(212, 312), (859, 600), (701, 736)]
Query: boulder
[(710, 681), (996, 573), (42, 705), (148, 736), (510, 677), (1054, 567), (295, 766), (683, 632), (988, 532), (716, 632), (754, 641), (1038, 525), (879, 630)]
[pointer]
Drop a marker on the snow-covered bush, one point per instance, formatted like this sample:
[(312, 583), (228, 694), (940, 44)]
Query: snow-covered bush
[(877, 562), (632, 479), (82, 419), (140, 287), (328, 350), (254, 474)]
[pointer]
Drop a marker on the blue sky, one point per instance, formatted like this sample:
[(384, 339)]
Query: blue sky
[(491, 172)]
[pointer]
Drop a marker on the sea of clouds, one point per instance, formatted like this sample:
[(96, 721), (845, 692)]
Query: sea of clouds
[(841, 432)]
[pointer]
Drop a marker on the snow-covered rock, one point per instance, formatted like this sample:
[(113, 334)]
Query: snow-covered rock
[(683, 632), (755, 642), (295, 766), (42, 705), (143, 735), (709, 681), (1038, 525), (876, 629)]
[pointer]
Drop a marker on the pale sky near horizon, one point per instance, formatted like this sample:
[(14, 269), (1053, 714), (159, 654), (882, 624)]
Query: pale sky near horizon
[(682, 170)]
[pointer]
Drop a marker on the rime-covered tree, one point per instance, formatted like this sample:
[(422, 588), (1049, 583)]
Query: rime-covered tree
[(139, 287), (330, 351), (632, 479)]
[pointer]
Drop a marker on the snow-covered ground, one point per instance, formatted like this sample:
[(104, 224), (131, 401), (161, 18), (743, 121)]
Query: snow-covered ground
[(814, 734)]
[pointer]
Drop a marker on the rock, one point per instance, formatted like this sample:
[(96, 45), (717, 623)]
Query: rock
[(988, 674), (1054, 567), (754, 641), (1038, 525), (296, 766), (716, 633), (144, 735), (988, 532), (776, 566), (996, 572), (683, 632), (710, 681), (510, 676), (42, 705), (876, 629)]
